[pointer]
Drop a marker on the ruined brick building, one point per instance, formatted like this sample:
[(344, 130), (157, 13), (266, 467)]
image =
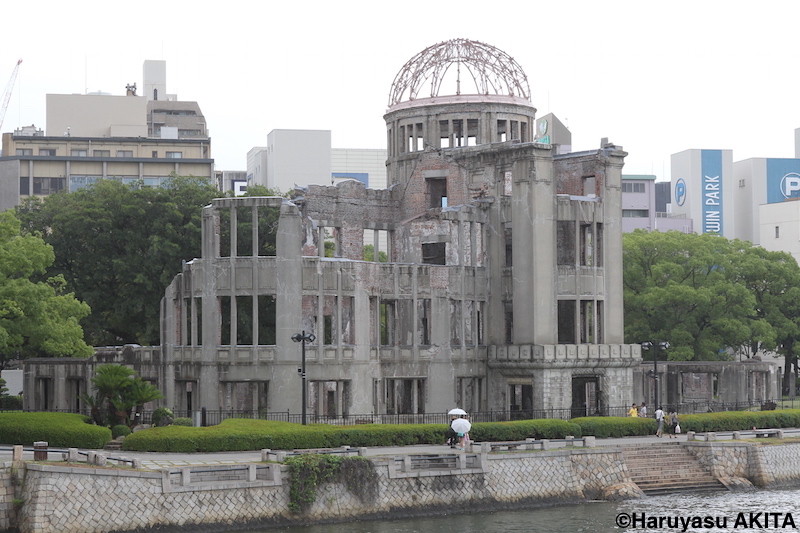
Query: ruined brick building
[(499, 289), (492, 278)]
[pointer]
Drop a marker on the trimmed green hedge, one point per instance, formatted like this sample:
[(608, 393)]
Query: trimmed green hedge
[(616, 426), (524, 429), (613, 426), (740, 420), (237, 434), (61, 430)]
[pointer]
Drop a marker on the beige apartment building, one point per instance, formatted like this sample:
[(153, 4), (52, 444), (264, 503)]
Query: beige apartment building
[(38, 165), (101, 136)]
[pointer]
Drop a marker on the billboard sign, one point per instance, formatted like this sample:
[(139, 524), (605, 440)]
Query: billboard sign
[(783, 179), (711, 169)]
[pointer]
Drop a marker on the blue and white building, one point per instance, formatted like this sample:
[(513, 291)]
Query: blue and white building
[(754, 200)]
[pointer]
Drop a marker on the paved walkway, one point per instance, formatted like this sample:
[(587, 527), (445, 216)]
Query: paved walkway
[(158, 460)]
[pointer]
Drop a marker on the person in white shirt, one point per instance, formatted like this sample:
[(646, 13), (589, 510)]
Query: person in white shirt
[(660, 419)]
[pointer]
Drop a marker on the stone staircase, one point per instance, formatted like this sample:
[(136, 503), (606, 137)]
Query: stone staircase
[(666, 468), (115, 444)]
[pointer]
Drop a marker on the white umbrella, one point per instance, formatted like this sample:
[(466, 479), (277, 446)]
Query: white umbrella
[(456, 412), (461, 425)]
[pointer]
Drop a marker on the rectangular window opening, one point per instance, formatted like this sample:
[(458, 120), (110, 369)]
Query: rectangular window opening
[(566, 322), (434, 253)]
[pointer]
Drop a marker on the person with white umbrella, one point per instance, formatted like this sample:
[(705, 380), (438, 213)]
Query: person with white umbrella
[(461, 426), (452, 436)]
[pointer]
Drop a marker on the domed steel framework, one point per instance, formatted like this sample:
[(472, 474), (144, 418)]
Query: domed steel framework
[(492, 70)]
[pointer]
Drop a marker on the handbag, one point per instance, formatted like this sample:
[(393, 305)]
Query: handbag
[(677, 428)]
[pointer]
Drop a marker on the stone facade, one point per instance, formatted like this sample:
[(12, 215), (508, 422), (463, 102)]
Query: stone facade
[(696, 386)]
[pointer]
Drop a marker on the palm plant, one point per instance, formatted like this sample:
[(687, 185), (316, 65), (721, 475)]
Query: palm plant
[(119, 392)]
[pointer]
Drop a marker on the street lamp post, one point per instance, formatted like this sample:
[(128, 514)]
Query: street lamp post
[(654, 373), (303, 338)]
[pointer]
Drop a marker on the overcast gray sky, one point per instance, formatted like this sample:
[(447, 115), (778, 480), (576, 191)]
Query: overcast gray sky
[(656, 78)]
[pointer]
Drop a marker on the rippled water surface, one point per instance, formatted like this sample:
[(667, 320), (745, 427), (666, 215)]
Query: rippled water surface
[(751, 512)]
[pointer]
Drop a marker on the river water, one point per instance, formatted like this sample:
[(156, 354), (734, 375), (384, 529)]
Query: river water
[(751, 512)]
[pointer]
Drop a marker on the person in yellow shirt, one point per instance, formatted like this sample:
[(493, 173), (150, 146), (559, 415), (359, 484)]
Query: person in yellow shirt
[(634, 412)]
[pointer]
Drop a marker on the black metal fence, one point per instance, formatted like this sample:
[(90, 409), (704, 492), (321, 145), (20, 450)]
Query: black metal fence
[(208, 417)]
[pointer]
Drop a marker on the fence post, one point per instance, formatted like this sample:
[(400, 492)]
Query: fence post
[(40, 451)]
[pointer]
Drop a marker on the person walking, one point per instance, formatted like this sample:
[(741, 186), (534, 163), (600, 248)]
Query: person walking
[(673, 424), (660, 420), (634, 412), (643, 411)]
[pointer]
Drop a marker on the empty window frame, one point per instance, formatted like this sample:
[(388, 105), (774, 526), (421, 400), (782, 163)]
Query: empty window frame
[(565, 242), (174, 155), (47, 151), (24, 151), (437, 192), (101, 153), (78, 153), (587, 244), (329, 399), (434, 253), (376, 246), (508, 313), (469, 393), (404, 396), (424, 322), (566, 322), (502, 132), (124, 153), (520, 398), (509, 248), (387, 320)]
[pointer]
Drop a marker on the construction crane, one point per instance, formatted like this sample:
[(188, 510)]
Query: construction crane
[(7, 94)]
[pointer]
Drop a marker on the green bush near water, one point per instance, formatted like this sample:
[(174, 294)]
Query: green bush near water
[(61, 430), (237, 434), (617, 426)]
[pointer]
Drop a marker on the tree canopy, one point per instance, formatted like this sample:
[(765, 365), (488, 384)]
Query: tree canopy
[(118, 246), (37, 317), (706, 295)]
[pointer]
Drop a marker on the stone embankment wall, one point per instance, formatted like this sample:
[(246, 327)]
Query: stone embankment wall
[(63, 499), (767, 466), (83, 499), (7, 476)]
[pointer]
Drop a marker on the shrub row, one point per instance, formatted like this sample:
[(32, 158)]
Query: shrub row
[(11, 403), (613, 426), (616, 426), (61, 430), (246, 434)]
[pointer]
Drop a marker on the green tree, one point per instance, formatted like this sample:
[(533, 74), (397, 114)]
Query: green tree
[(369, 254), (38, 318), (774, 280), (687, 289), (117, 392), (118, 246)]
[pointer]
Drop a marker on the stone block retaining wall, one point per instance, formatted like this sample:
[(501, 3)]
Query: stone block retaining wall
[(64, 499), (764, 465), (6, 495)]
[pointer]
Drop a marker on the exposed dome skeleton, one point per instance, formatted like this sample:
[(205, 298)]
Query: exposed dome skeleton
[(492, 70)]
